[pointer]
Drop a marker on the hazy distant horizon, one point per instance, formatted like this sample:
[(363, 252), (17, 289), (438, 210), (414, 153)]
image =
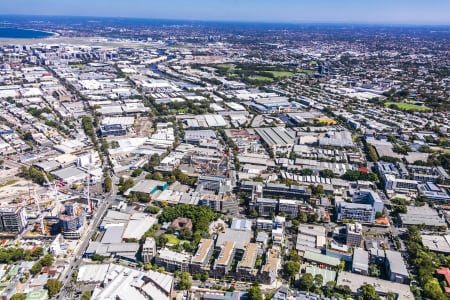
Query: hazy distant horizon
[(383, 12), (249, 22)]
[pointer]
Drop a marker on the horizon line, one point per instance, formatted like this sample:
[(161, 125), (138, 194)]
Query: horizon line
[(268, 22)]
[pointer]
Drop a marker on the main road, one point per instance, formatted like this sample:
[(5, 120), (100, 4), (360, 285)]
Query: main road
[(76, 259)]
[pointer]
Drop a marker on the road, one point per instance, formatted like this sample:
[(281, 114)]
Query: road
[(76, 258)]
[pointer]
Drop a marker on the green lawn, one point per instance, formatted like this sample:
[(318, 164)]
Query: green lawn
[(173, 240), (280, 74), (262, 78), (407, 106), (439, 149)]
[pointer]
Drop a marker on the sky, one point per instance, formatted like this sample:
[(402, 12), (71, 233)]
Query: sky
[(289, 11)]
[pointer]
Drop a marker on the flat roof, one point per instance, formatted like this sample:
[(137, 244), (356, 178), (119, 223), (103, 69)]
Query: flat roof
[(203, 249), (146, 186), (113, 234), (438, 243), (249, 258), (226, 251), (240, 237), (271, 260), (396, 263), (320, 258), (169, 255), (360, 259), (328, 275), (355, 281)]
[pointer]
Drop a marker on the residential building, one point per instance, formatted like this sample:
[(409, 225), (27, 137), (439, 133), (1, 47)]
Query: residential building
[(363, 213), (223, 262), (12, 219), (245, 270), (200, 261), (266, 206), (148, 250), (289, 207), (354, 236), (172, 261), (269, 271)]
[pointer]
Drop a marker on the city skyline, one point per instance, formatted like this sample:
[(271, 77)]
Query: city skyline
[(434, 12)]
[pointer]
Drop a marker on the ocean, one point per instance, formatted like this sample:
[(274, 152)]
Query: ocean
[(18, 33)]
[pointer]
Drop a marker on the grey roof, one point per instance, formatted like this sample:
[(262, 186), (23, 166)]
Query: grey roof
[(70, 172), (238, 236), (113, 234), (396, 263), (241, 224), (422, 215), (360, 259)]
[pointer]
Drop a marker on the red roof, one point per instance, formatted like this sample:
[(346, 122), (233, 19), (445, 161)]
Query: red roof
[(446, 273), (362, 169)]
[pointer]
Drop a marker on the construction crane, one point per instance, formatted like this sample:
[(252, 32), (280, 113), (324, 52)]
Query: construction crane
[(41, 217)]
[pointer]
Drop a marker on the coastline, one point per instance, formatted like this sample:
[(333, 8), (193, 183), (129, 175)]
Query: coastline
[(49, 33)]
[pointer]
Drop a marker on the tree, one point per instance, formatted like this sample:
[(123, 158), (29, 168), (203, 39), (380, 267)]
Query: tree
[(152, 209), (185, 281), (306, 282), (254, 293), (374, 270), (432, 290), (136, 173), (86, 295), (19, 296), (327, 173), (291, 269), (47, 260), (317, 189), (108, 184), (318, 280), (53, 286), (368, 292), (36, 268), (312, 217), (303, 217), (127, 184), (204, 276)]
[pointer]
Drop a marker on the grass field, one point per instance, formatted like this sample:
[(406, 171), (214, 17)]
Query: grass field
[(438, 149), (280, 74), (9, 182), (173, 240), (262, 78), (407, 106)]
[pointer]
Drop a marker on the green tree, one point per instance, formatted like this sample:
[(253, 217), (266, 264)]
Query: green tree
[(86, 295), (18, 296), (204, 276), (254, 293), (306, 282), (374, 270), (152, 209), (291, 269), (327, 173), (303, 217), (47, 260), (368, 292), (36, 268), (185, 281), (107, 183), (53, 286), (318, 280), (127, 184)]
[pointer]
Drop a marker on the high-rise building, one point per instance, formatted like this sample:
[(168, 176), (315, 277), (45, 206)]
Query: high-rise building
[(12, 219)]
